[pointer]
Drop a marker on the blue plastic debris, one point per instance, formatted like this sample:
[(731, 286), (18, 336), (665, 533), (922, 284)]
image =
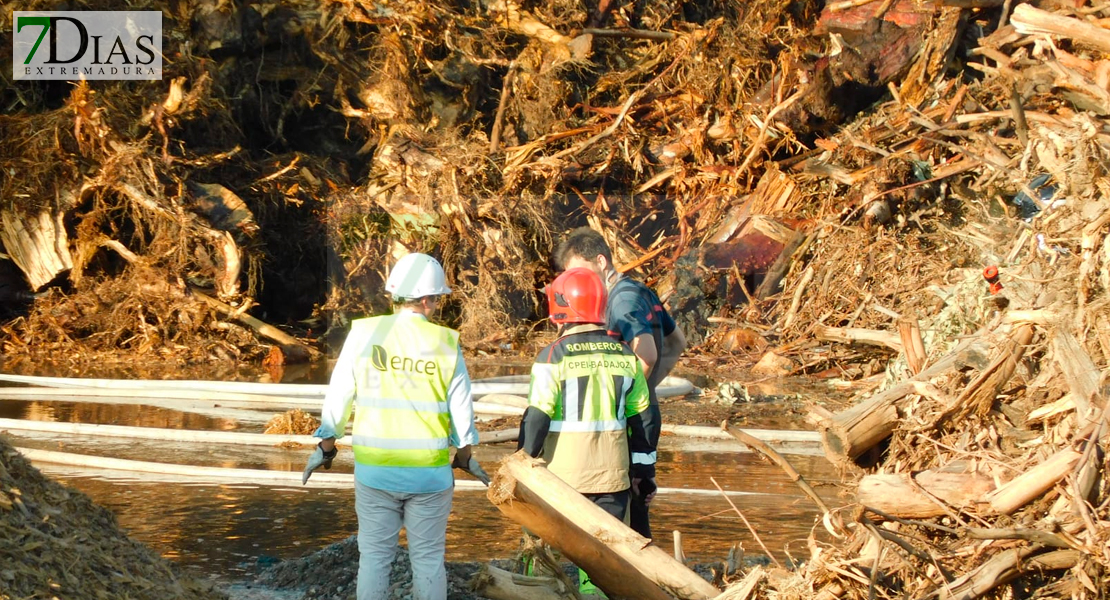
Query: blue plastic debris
[(1027, 207)]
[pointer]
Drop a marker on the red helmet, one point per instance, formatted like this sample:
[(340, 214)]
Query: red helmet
[(576, 296)]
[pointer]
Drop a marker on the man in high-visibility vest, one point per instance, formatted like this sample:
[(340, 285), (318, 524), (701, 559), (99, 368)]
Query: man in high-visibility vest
[(588, 402), (635, 315), (407, 378)]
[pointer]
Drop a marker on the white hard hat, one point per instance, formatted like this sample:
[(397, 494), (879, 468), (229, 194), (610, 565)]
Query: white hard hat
[(415, 276)]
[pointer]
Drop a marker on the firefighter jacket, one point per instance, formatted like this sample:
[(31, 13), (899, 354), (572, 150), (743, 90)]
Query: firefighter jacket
[(588, 412)]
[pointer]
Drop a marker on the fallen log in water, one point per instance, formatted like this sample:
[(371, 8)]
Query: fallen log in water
[(193, 435), (199, 401), (806, 442), (240, 387), (510, 384), (227, 399), (618, 560), (125, 468), (119, 467), (250, 409)]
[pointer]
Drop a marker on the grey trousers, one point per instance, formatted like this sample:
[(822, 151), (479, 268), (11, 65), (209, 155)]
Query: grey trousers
[(380, 517)]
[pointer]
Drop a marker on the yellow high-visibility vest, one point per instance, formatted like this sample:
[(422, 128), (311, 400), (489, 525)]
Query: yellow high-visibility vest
[(402, 375), (588, 383)]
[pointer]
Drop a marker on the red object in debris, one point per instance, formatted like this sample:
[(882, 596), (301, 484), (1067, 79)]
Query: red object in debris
[(906, 14), (991, 275)]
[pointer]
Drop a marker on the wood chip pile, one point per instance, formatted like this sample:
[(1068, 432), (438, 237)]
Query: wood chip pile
[(57, 544)]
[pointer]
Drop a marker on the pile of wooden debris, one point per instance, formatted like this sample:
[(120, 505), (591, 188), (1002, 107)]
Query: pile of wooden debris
[(970, 257)]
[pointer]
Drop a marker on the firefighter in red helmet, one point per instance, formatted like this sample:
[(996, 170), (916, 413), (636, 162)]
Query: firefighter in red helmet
[(588, 402)]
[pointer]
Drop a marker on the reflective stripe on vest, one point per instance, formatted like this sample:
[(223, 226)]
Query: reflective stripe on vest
[(403, 373), (588, 401)]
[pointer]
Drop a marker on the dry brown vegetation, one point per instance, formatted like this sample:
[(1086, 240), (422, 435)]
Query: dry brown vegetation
[(296, 147)]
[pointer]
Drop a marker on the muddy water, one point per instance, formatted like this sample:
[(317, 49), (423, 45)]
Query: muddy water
[(229, 530)]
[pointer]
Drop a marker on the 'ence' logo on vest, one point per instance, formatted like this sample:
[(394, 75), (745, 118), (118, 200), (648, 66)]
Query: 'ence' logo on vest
[(383, 362), (74, 45)]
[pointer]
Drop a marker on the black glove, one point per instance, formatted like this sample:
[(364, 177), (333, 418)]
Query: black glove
[(328, 456)]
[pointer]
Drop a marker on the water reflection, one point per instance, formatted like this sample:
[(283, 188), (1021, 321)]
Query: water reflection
[(138, 415), (228, 530), (739, 471)]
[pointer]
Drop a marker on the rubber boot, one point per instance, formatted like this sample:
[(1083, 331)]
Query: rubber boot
[(587, 588)]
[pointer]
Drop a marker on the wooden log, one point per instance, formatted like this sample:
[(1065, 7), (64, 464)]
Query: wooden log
[(499, 584), (37, 244), (912, 346), (851, 432), (197, 436), (499, 436), (900, 494), (1036, 536), (1032, 484), (1029, 20), (264, 329), (1002, 568), (506, 400), (1040, 316), (856, 334), (619, 561)]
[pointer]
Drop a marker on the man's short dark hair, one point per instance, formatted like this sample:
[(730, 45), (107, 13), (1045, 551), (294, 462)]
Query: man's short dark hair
[(399, 302), (582, 243)]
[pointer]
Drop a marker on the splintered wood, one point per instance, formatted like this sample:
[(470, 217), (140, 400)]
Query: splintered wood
[(981, 460)]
